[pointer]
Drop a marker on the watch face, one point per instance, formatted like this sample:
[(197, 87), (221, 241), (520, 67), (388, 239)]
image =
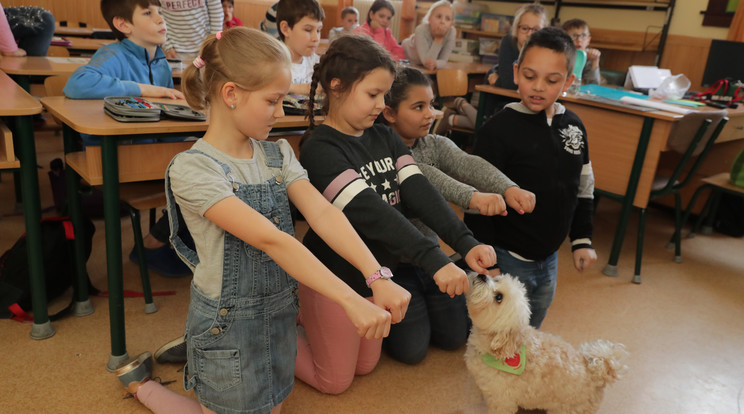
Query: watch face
[(386, 273)]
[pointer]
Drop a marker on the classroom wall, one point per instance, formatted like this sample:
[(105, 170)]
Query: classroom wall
[(687, 44)]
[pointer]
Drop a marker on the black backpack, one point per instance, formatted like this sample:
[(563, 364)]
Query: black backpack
[(57, 238)]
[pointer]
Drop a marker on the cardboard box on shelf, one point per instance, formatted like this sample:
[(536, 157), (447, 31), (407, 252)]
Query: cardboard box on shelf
[(462, 57), (497, 23), (465, 46), (488, 46)]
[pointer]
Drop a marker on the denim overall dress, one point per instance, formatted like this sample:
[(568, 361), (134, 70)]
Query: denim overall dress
[(241, 347)]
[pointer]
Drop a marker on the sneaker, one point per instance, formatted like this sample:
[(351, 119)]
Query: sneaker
[(136, 371), (173, 351), (163, 260)]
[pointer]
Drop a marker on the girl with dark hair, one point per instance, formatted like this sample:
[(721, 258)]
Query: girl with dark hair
[(367, 172), (479, 188)]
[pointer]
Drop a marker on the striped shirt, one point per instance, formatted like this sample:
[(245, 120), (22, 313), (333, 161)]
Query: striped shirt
[(189, 22)]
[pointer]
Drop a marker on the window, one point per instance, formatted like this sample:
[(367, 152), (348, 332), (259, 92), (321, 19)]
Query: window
[(720, 12)]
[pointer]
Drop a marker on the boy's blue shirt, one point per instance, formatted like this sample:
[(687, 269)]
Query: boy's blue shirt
[(115, 70)]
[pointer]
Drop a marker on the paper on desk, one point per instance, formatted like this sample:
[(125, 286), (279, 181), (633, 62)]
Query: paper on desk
[(647, 77), (655, 104)]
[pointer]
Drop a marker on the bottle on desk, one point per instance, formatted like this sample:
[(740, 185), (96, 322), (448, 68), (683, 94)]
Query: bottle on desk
[(577, 71)]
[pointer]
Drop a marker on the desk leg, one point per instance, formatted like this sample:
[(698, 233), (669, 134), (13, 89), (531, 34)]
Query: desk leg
[(110, 161), (635, 174), (82, 305), (41, 328), (24, 82)]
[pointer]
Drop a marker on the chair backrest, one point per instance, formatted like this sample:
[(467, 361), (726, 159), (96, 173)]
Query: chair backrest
[(694, 136), (60, 51), (452, 82), (53, 85), (683, 132)]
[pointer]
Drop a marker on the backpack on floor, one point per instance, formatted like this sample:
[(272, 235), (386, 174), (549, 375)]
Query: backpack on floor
[(57, 238)]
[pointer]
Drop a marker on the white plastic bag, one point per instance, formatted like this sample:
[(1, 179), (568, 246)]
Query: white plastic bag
[(672, 87)]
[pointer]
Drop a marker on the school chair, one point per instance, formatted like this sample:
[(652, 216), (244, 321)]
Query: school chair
[(58, 51), (691, 138), (8, 159), (717, 184), (452, 83)]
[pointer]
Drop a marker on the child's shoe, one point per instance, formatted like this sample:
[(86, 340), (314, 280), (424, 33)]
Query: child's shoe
[(173, 351), (136, 372)]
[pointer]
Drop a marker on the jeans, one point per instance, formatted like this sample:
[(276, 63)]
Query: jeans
[(539, 278), (32, 27), (432, 317)]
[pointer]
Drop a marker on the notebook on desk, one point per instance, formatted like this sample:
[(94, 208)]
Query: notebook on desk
[(611, 96)]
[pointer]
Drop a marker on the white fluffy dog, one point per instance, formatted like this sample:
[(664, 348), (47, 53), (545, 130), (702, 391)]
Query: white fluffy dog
[(556, 377)]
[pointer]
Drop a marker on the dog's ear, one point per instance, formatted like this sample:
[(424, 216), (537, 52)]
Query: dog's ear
[(506, 343)]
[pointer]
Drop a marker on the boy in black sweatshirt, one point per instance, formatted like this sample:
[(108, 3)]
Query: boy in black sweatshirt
[(542, 146)]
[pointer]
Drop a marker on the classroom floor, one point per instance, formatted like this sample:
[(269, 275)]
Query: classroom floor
[(684, 327)]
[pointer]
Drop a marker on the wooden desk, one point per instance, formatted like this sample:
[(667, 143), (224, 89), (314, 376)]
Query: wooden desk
[(624, 147), (87, 116), (78, 31), (472, 68), (21, 106), (22, 68), (87, 44)]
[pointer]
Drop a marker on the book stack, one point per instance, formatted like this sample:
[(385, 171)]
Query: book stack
[(465, 50)]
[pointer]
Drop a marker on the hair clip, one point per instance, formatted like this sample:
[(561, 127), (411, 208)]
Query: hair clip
[(219, 35), (199, 62)]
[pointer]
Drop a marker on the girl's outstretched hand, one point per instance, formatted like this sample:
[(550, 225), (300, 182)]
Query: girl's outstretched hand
[(522, 201), (390, 296), (480, 258), (371, 321), (451, 280), (488, 204)]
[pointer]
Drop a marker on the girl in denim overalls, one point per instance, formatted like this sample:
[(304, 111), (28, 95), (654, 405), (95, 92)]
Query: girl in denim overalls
[(233, 191)]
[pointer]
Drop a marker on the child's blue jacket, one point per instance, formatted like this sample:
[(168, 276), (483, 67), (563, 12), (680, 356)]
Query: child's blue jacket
[(115, 70)]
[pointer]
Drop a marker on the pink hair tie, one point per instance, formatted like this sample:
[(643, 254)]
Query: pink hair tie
[(199, 62), (219, 35)]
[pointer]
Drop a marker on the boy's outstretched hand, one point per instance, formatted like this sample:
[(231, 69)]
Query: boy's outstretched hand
[(390, 296), (584, 258), (480, 258), (152, 91), (451, 280), (522, 201)]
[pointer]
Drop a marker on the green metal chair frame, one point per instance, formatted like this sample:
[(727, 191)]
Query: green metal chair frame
[(690, 140)]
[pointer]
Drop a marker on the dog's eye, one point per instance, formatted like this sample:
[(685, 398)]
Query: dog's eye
[(499, 297)]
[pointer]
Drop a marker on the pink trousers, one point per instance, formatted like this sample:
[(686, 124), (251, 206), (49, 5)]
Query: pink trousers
[(331, 353)]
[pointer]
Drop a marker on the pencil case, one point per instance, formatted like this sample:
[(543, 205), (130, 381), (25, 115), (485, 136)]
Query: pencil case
[(136, 109), (295, 105)]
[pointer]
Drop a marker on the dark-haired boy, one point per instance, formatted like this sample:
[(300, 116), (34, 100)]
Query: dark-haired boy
[(299, 23), (542, 146), (133, 66)]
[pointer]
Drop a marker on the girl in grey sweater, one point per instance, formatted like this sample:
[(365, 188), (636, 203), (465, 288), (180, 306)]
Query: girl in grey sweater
[(465, 180)]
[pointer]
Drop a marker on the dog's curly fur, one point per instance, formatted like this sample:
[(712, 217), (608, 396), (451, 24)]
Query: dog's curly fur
[(557, 377)]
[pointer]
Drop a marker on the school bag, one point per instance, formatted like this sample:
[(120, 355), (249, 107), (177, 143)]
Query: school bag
[(57, 238), (737, 170)]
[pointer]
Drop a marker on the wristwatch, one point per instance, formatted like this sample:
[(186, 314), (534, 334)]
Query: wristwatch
[(383, 273)]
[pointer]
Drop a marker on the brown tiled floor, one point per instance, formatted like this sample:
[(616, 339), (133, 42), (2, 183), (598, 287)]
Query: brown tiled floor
[(684, 327)]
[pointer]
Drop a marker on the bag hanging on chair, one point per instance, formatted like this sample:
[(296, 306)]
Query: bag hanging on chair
[(737, 170)]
